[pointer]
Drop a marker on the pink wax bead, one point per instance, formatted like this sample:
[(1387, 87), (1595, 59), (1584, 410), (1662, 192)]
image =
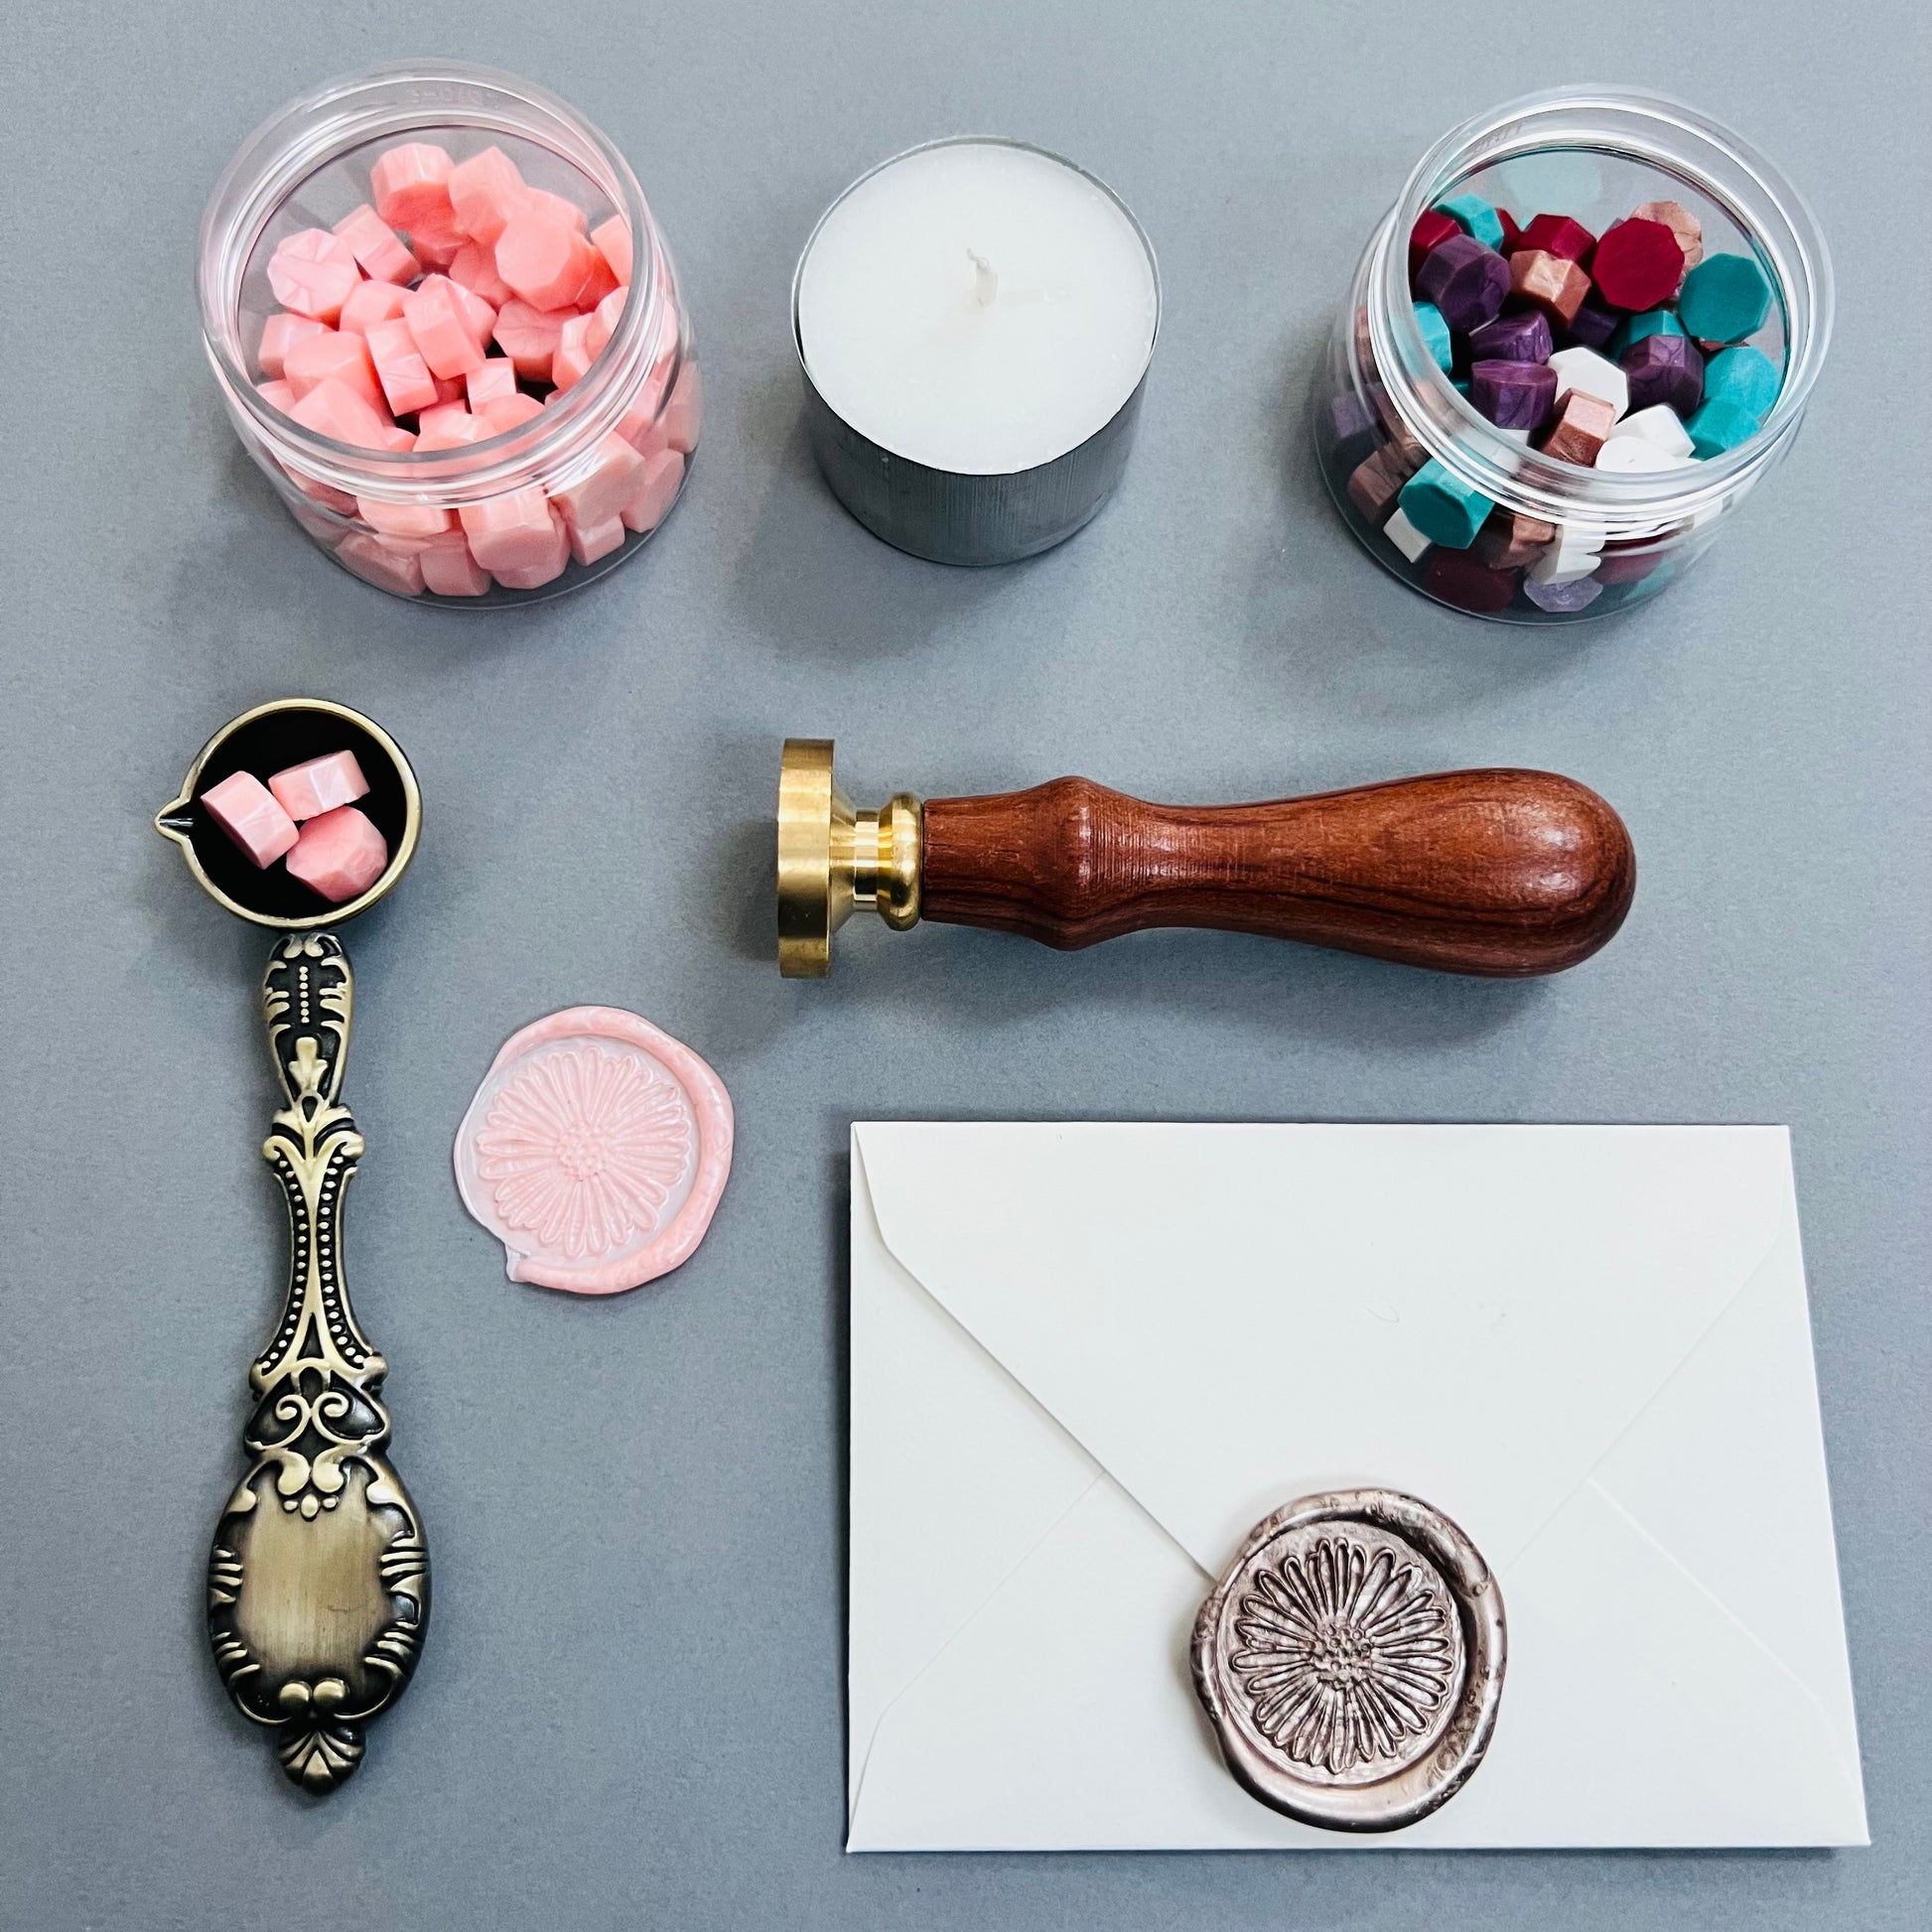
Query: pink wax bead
[(441, 326), (408, 523), (451, 388), (587, 546), (277, 395), (453, 428), (542, 259), (280, 333), (573, 356), (398, 441), (338, 354), (604, 319), (475, 268), (534, 576), (475, 312), (529, 337), (370, 303), (319, 785), (597, 284), (515, 531), (656, 490), (341, 855), (389, 563), (684, 413), (246, 810), (378, 250), (406, 382), (507, 413), (313, 273), (557, 207), (411, 182), (611, 240), (317, 491), (485, 191), (601, 495), (332, 408), (491, 383), (449, 569)]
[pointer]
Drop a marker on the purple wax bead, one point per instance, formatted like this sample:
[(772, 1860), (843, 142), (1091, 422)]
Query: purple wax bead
[(1593, 324), (1514, 339), (1667, 369), (1576, 595), (1465, 281), (1513, 395)]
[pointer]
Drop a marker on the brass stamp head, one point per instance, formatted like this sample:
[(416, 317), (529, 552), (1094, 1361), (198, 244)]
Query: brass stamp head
[(833, 858), (269, 738)]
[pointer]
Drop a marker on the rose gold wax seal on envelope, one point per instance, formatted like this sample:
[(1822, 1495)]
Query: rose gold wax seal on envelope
[(595, 1151)]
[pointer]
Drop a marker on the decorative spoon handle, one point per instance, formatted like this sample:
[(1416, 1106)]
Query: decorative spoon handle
[(319, 1579)]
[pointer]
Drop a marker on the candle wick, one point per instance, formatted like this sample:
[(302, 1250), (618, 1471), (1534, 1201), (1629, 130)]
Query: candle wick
[(986, 280)]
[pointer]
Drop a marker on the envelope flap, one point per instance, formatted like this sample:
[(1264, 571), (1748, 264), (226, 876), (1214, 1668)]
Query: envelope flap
[(1209, 1309)]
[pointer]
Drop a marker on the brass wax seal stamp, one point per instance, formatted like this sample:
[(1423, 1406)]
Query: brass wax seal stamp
[(318, 1592), (1351, 1660)]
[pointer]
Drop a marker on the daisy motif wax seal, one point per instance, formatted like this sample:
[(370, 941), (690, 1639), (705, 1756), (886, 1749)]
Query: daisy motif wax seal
[(1351, 1660), (595, 1151)]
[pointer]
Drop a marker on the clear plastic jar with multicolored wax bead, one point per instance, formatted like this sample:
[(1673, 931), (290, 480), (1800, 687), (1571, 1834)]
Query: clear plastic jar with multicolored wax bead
[(450, 333), (1583, 334)]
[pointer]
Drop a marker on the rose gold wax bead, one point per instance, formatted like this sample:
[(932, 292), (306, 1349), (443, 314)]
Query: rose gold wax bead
[(515, 531), (378, 250), (507, 413), (573, 356), (248, 812), (1553, 285), (587, 546), (542, 259), (657, 491), (1376, 481), (337, 353), (1510, 539), (1681, 222), (332, 408), (407, 384), (485, 191), (312, 273), (441, 326), (319, 785), (449, 569), (1582, 427), (370, 304), (280, 333), (529, 337), (475, 268), (341, 854), (611, 239)]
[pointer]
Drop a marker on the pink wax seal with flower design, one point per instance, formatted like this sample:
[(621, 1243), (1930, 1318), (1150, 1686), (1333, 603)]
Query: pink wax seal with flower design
[(595, 1151)]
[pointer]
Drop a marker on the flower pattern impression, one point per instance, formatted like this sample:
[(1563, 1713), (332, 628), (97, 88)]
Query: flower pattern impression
[(584, 1146), (1349, 1657)]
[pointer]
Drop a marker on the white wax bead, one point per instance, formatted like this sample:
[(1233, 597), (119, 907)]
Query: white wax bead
[(1635, 455), (1584, 370), (1405, 536), (1576, 553), (1658, 424)]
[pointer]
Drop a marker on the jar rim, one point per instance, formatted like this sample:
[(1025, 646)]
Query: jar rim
[(398, 97), (1677, 139)]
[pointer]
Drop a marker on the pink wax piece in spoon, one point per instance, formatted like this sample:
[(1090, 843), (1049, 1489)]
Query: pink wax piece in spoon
[(319, 785), (248, 812), (341, 855)]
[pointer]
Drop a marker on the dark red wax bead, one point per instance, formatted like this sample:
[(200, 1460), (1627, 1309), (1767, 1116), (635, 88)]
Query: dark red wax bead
[(1432, 228), (1556, 234), (1465, 281), (1665, 370), (1457, 578), (1514, 339), (1513, 395), (1637, 265), (1512, 234)]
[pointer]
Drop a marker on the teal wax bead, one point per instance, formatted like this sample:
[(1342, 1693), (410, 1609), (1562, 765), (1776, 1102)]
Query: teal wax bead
[(1473, 216), (1716, 426), (1445, 510), (1746, 376), (1460, 384), (1434, 332), (1633, 328), (1723, 299)]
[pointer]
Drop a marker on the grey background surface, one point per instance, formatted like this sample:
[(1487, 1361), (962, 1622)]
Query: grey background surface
[(629, 1711)]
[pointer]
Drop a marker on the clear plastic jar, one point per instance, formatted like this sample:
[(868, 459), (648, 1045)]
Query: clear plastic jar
[(1381, 398), (307, 167)]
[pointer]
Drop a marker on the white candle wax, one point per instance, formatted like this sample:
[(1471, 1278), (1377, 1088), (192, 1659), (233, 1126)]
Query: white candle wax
[(977, 306)]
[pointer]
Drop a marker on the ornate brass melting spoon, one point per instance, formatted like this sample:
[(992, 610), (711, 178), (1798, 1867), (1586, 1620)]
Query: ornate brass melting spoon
[(319, 1579)]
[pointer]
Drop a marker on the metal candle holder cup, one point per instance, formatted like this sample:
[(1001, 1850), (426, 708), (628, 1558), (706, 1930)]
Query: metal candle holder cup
[(319, 1578)]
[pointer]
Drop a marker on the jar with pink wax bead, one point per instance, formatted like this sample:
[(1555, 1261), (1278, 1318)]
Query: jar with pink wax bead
[(450, 333)]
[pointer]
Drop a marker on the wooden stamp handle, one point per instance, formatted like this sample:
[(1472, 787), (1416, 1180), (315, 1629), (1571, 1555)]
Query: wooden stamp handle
[(1500, 872)]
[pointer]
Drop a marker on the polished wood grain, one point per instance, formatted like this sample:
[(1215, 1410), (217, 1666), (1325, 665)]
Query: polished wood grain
[(1500, 872)]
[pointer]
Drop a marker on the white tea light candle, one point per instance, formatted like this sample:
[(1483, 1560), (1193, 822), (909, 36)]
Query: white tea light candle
[(974, 320)]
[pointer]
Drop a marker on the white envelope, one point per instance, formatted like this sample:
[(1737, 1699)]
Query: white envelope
[(1087, 1359)]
